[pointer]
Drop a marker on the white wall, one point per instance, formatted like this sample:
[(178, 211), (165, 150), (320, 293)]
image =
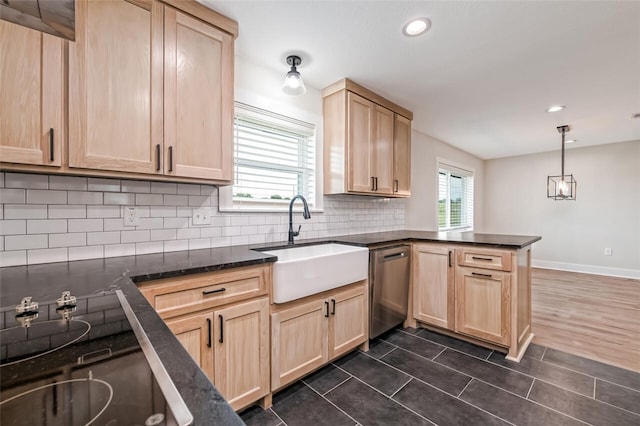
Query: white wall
[(421, 208), (574, 233)]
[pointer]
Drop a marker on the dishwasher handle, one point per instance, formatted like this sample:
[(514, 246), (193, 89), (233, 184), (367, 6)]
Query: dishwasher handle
[(395, 256)]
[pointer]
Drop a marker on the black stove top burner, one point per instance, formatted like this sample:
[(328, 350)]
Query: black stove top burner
[(82, 361)]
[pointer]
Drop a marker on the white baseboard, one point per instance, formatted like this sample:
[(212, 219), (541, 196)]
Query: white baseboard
[(587, 269)]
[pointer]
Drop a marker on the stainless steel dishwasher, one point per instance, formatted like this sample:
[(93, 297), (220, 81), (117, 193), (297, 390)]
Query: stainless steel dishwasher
[(388, 288)]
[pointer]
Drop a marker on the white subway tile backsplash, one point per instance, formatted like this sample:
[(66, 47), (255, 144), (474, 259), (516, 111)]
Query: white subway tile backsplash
[(105, 185), (119, 250), (68, 183), (135, 186), (14, 196), (176, 245), (13, 258), (151, 223), (188, 233), (47, 255), (134, 236), (26, 181), (176, 200), (116, 225), (199, 243), (163, 234), (103, 211), (164, 188), (85, 197), (68, 240), (176, 222), (39, 226), (150, 247), (67, 211), (188, 189), (25, 242), (48, 226), (100, 238), (149, 199), (89, 252), (163, 211), (86, 225), (1, 179), (44, 196), (119, 198), (25, 211), (199, 200)]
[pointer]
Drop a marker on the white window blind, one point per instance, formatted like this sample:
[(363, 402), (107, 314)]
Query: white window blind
[(274, 159), (455, 198)]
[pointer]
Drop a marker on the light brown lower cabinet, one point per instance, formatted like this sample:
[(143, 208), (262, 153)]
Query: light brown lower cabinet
[(221, 323), (483, 305), (308, 333)]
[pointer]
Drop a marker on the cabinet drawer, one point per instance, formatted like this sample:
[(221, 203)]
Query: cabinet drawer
[(177, 296), (484, 258)]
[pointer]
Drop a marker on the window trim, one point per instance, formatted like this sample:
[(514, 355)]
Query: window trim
[(225, 193), (464, 170)]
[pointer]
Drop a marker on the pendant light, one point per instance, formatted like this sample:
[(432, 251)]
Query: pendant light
[(562, 187), (293, 84)]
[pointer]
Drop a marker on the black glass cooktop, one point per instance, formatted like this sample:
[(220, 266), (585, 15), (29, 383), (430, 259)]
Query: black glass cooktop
[(82, 361)]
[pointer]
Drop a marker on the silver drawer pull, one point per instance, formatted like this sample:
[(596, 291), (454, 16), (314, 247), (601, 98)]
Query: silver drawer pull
[(481, 258), (220, 290)]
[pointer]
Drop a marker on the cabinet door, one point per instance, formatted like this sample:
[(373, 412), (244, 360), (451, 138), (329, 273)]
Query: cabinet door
[(483, 304), (198, 101), (383, 151), (361, 130), (32, 96), (241, 361), (195, 334), (349, 321), (115, 86), (402, 156), (433, 285), (298, 341)]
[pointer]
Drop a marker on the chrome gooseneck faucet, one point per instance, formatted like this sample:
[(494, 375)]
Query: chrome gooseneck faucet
[(306, 214)]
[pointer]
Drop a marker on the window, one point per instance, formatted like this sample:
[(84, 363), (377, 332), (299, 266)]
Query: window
[(274, 160), (455, 198)]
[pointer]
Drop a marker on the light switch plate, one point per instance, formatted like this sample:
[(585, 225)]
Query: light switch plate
[(201, 216)]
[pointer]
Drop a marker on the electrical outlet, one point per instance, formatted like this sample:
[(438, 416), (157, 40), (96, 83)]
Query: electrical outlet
[(201, 216), (608, 252), (131, 217)]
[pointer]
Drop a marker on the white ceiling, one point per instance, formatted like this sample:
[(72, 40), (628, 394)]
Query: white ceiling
[(484, 74)]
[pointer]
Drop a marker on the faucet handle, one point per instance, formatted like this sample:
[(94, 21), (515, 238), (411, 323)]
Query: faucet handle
[(296, 233)]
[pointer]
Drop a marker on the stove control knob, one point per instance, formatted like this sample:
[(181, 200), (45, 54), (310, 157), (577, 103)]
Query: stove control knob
[(66, 299), (27, 306)]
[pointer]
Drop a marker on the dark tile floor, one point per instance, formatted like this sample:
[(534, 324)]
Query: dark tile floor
[(417, 377)]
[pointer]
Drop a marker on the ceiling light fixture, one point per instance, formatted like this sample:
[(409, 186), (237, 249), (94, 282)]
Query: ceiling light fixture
[(562, 187), (571, 141), (556, 108), (417, 26), (293, 84)]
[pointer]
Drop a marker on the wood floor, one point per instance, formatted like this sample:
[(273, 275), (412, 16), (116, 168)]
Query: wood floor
[(594, 316)]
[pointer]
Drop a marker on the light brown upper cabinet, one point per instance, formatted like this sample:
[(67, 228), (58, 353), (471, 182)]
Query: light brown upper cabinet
[(198, 103), (32, 96), (366, 142), (151, 90)]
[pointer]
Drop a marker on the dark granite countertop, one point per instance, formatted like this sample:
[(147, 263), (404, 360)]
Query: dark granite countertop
[(383, 238), (46, 282)]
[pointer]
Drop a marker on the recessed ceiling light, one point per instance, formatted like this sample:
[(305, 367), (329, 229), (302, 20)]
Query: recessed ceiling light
[(556, 108), (416, 27), (570, 141)]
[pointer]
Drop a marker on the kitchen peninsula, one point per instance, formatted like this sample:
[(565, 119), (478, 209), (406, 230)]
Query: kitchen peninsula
[(46, 282)]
